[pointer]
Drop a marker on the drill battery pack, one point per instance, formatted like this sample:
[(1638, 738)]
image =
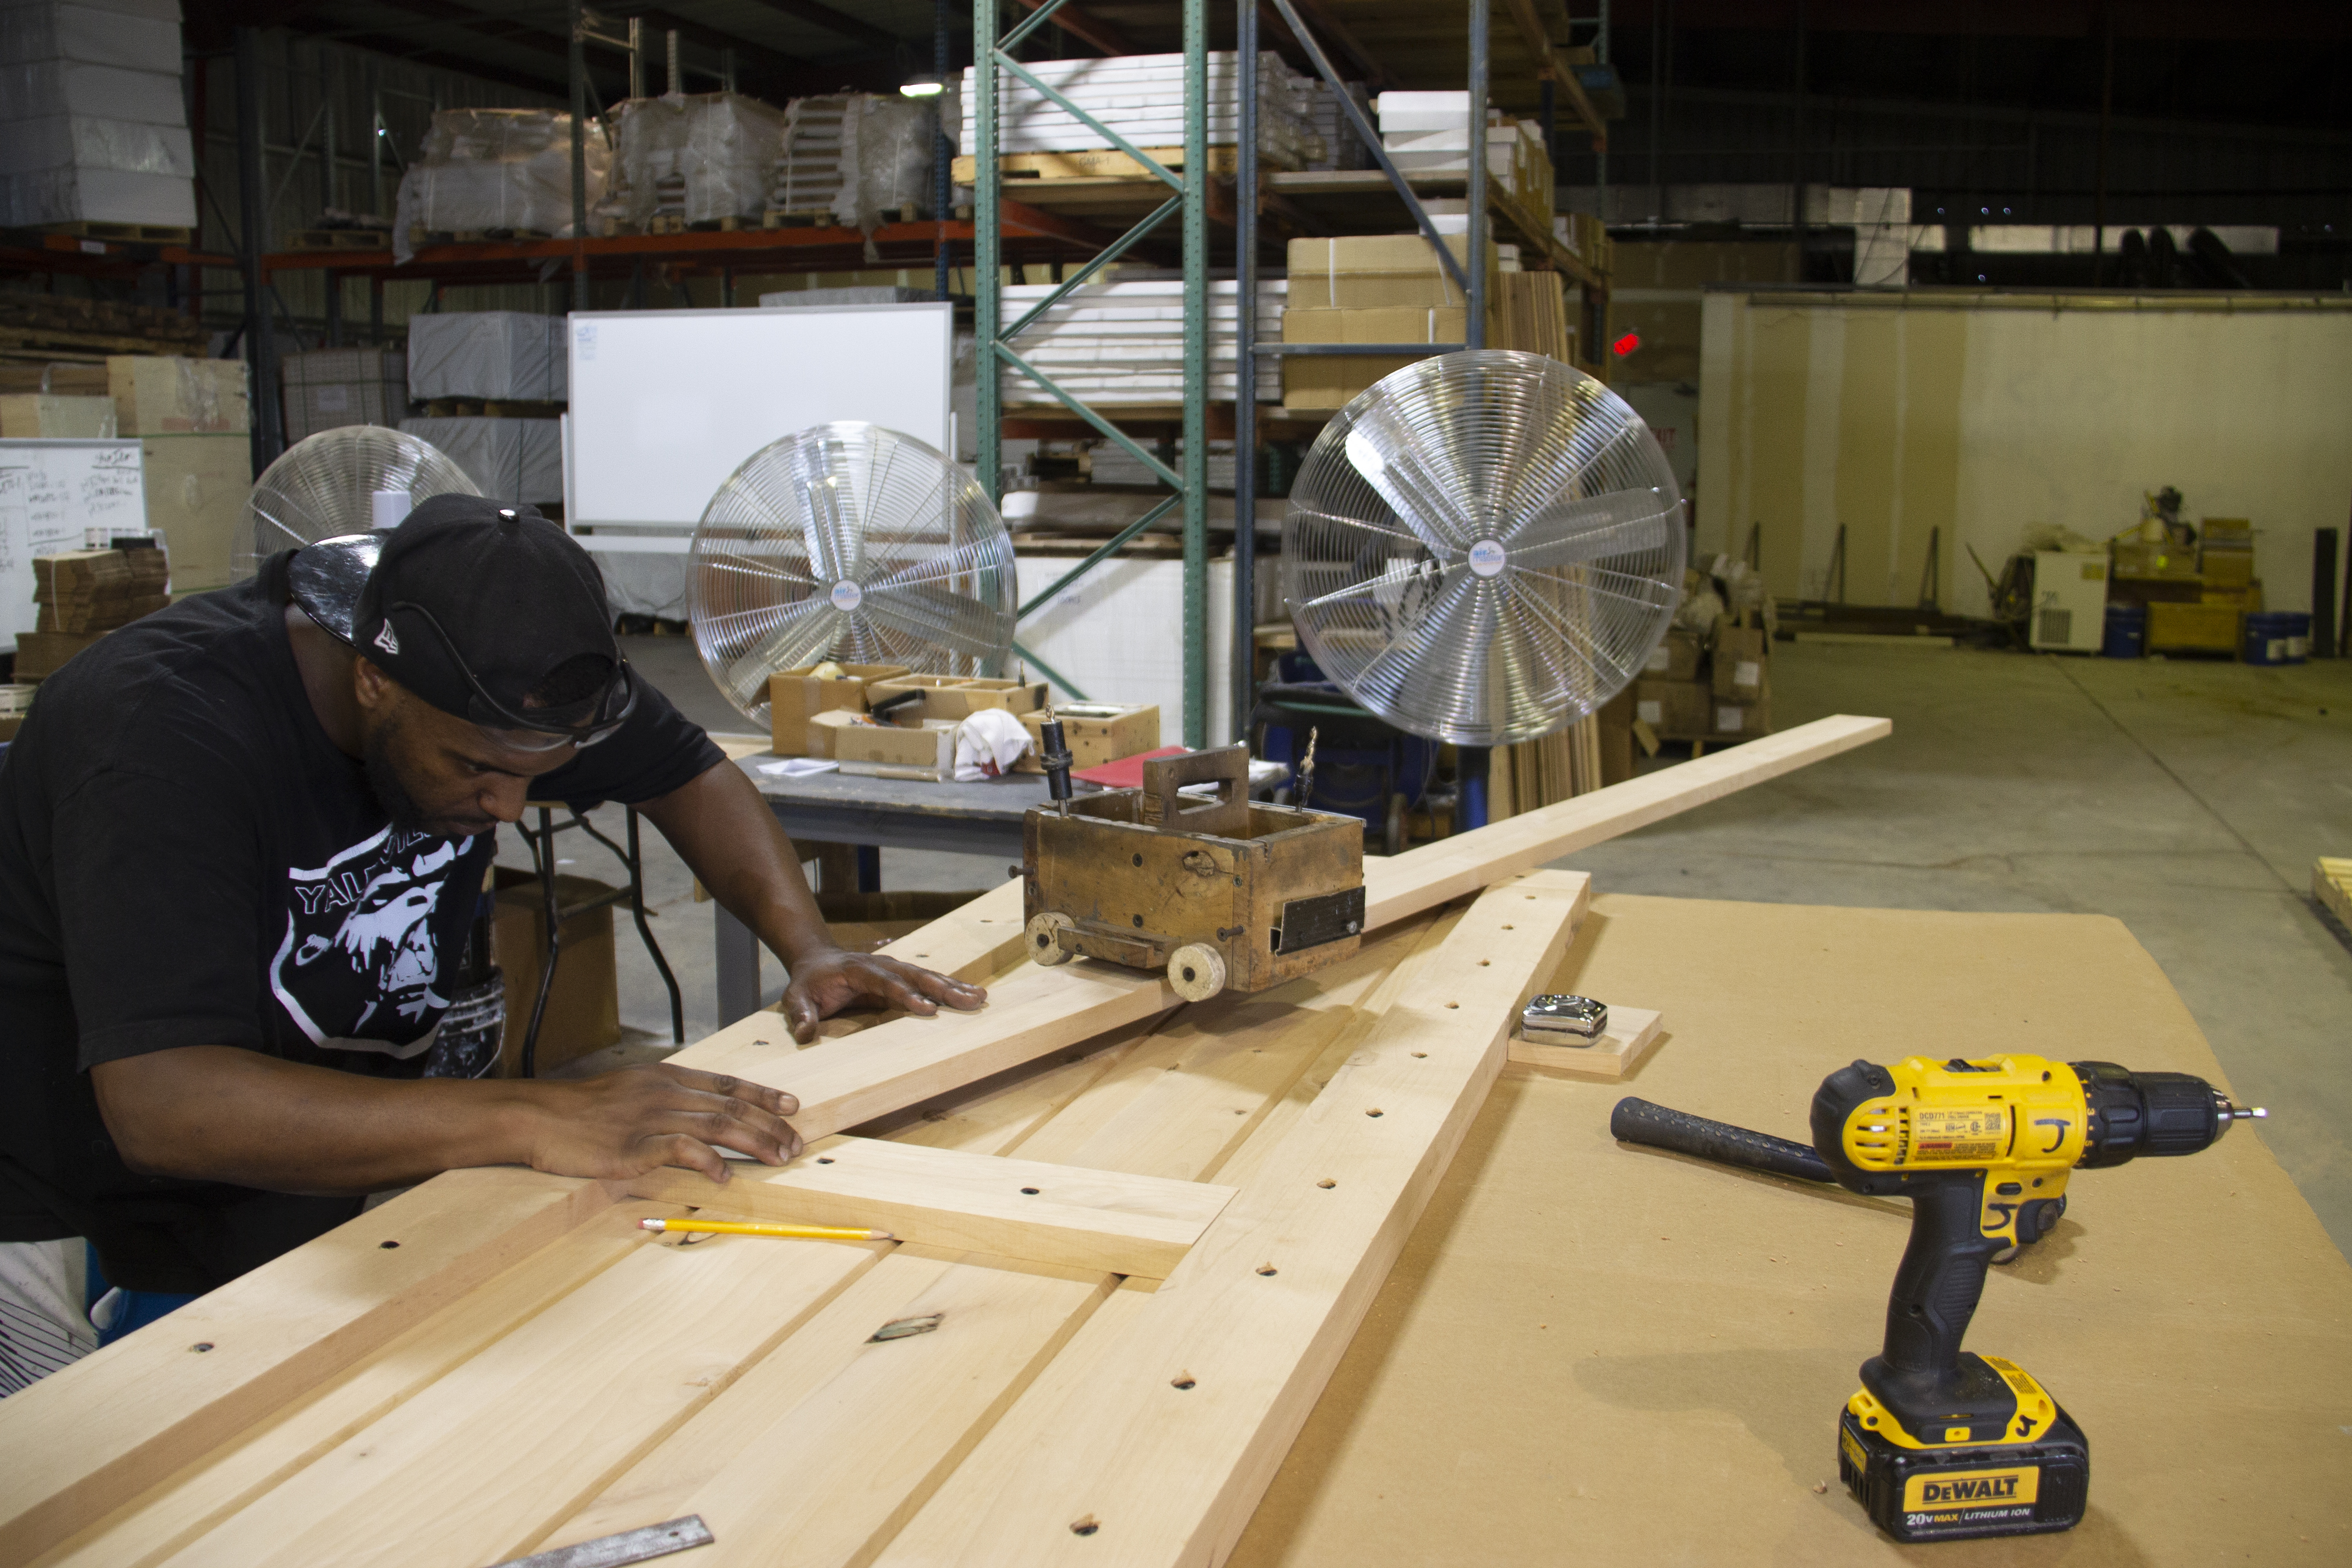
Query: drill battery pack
[(1958, 1493)]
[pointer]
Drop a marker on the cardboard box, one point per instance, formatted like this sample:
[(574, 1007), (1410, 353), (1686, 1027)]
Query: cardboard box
[(925, 749), (33, 417), (38, 654), (2193, 628), (824, 727), (1317, 381), (1728, 721), (2228, 570), (583, 1007), (795, 695), (1672, 707), (1377, 270), (1096, 732), (1741, 662), (2157, 562), (1676, 658), (157, 394), (957, 697), (198, 487), (2247, 599)]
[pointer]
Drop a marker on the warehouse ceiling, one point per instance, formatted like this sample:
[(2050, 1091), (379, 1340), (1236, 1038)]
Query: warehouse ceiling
[(2253, 62)]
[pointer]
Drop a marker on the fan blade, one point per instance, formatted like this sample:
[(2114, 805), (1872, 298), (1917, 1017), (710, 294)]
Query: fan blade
[(1590, 527), (1416, 495), (803, 633), (963, 627), (829, 525)]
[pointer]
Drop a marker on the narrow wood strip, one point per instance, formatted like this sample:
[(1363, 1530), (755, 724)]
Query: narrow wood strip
[(1030, 1013), (1422, 878), (81, 1441), (1102, 1220), (1162, 1433)]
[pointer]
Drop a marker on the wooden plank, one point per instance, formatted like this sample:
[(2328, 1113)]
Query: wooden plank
[(2331, 884), (521, 1435), (1632, 1032), (225, 1481), (829, 1475), (1105, 1221), (972, 943), (1177, 1106), (656, 1485), (1033, 1011), (1030, 1013), (1427, 875), (81, 1441), (1151, 1442)]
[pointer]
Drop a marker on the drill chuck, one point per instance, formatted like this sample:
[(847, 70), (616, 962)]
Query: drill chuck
[(2151, 1113)]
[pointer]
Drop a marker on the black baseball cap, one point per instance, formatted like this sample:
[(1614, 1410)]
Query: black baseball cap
[(474, 607)]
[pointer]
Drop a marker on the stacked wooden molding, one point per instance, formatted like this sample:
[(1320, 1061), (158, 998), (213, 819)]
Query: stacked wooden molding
[(1134, 1239)]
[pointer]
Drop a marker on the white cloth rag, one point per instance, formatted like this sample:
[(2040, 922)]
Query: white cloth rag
[(988, 744)]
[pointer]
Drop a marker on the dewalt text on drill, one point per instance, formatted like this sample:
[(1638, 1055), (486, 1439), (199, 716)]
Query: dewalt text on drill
[(1939, 1444)]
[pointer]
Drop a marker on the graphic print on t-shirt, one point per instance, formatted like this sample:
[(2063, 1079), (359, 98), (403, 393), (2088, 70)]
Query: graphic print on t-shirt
[(357, 968)]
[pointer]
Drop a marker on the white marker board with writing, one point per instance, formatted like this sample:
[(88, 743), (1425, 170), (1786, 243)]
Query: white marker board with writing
[(52, 493)]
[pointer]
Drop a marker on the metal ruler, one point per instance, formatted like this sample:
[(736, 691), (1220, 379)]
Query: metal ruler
[(629, 1546)]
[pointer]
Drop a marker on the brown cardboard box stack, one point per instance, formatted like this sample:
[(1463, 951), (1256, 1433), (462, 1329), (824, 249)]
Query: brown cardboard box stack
[(1718, 687), (83, 595), (1367, 289), (192, 419)]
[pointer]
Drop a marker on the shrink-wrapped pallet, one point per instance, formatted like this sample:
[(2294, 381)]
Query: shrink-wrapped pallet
[(327, 388), (92, 128), (495, 169), (518, 461), (488, 353), (697, 158), (1141, 96)]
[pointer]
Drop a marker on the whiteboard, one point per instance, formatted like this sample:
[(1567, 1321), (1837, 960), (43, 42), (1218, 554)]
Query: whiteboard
[(51, 493), (666, 403)]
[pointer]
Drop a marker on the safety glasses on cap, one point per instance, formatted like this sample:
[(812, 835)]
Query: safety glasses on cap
[(539, 730)]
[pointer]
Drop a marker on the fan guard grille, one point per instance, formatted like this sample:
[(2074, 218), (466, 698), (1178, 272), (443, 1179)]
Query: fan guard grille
[(322, 488), (853, 543), (1483, 547)]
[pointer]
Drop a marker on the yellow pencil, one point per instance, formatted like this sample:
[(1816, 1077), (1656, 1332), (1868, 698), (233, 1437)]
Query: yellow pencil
[(729, 1228)]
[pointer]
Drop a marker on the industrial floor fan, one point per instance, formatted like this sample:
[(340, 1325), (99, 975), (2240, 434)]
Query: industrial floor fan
[(343, 481), (854, 543), (1483, 548)]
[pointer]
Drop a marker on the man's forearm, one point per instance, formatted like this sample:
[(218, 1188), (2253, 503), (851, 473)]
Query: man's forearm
[(221, 1114), (730, 840)]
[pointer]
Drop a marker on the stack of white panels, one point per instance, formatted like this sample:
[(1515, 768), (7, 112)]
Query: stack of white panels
[(1114, 464), (92, 128), (517, 462), (1141, 96), (1429, 133), (488, 353), (1124, 343)]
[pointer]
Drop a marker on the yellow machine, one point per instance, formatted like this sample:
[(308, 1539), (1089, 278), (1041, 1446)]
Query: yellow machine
[(1939, 1444)]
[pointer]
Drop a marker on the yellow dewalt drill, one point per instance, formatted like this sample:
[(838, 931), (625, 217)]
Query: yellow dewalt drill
[(1939, 1444)]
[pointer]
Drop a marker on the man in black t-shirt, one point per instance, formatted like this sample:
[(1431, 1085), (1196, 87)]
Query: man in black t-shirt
[(240, 845)]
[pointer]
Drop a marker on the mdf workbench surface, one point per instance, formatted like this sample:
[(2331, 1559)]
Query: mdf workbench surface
[(1591, 1352)]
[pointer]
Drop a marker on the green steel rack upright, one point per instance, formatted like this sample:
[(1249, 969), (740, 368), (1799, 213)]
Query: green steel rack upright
[(995, 352)]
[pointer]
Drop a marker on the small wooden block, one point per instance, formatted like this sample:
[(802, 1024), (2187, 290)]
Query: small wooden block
[(1631, 1033)]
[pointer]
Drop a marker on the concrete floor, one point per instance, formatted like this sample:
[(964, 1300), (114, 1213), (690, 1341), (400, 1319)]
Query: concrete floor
[(2186, 799)]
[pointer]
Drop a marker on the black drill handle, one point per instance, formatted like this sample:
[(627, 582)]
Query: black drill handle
[(1638, 1120), (1940, 1279)]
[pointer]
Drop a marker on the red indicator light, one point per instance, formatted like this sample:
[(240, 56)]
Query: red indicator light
[(1626, 344)]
